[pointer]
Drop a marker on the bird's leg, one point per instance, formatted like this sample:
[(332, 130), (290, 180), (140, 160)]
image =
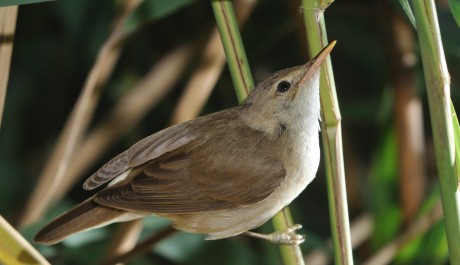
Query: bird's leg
[(285, 237)]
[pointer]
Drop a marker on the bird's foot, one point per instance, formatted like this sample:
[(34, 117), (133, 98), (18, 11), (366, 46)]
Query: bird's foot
[(285, 237)]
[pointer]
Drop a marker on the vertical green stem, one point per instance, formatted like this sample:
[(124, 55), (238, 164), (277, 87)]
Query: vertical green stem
[(243, 83), (289, 254), (438, 87), (233, 46), (331, 134)]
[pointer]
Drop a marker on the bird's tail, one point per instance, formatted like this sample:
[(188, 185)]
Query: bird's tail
[(85, 216)]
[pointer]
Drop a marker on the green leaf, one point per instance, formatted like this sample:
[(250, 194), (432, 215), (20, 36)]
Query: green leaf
[(455, 9), (151, 10), (20, 2), (457, 141), (406, 7)]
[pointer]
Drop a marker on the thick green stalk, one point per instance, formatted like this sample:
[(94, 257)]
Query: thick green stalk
[(438, 87), (233, 46), (290, 254), (331, 134), (243, 83)]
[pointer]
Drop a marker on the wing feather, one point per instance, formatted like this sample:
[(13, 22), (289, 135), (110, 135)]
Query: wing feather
[(229, 168), (146, 149)]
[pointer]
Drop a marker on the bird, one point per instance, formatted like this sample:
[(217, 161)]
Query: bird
[(221, 174)]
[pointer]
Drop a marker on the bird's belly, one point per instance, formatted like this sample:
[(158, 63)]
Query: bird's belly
[(231, 222)]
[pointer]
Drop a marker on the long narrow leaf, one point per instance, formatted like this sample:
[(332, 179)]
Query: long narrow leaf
[(455, 9), (407, 8), (457, 141), (151, 10), (21, 2)]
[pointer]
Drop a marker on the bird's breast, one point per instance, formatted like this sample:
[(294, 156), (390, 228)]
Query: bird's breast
[(300, 157), (301, 160)]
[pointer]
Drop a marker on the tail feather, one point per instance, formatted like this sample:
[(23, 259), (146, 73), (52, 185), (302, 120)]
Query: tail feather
[(85, 216)]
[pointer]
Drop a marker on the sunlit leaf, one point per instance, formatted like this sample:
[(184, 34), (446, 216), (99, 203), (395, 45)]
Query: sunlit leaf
[(14, 249)]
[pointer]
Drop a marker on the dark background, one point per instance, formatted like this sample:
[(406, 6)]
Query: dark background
[(56, 44)]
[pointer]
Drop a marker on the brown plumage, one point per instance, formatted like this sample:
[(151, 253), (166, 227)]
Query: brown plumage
[(220, 174)]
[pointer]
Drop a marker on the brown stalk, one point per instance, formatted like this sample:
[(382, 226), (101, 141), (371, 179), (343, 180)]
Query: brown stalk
[(386, 254), (401, 62), (361, 229), (125, 239), (141, 248), (7, 28), (128, 112), (212, 62), (202, 82), (52, 177)]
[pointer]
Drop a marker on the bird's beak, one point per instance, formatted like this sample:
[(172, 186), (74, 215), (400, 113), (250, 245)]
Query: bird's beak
[(314, 64)]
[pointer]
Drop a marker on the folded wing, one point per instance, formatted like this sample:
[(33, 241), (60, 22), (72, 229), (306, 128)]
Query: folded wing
[(235, 167), (147, 149)]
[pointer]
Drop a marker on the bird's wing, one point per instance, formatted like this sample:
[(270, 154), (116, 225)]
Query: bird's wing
[(145, 150), (232, 167)]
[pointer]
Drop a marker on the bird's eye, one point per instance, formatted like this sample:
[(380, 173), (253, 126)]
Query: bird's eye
[(283, 86)]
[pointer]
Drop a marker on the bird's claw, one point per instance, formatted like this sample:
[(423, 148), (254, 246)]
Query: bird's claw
[(287, 236)]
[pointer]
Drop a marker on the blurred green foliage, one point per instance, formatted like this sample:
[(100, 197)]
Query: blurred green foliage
[(455, 8), (56, 44)]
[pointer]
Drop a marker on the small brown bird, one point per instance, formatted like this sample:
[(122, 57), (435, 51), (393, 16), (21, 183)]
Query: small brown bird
[(221, 174)]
